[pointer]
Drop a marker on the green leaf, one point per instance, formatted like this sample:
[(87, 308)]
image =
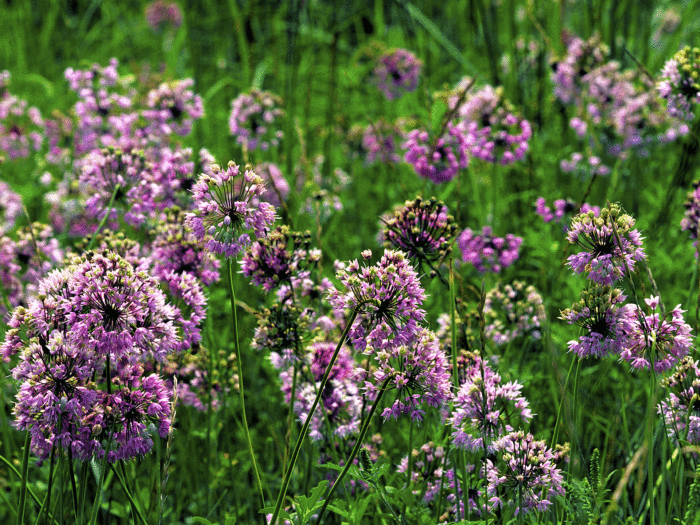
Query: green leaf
[(203, 521), (230, 520)]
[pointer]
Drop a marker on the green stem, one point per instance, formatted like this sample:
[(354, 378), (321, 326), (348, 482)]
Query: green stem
[(98, 490), (453, 327), (355, 449), (104, 219), (307, 423), (121, 476), (240, 380), (650, 440), (23, 486)]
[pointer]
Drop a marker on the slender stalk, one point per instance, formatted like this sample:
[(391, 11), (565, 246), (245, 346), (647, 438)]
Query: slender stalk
[(240, 380), (355, 449), (307, 423), (650, 440), (121, 476), (453, 327), (23, 485), (47, 501), (98, 491), (409, 469), (104, 219)]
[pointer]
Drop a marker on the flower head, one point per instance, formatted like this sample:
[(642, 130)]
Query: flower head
[(387, 298), (224, 210), (253, 119), (513, 310), (611, 245), (529, 479), (396, 73), (486, 252), (606, 324), (656, 339), (681, 410), (422, 229), (484, 407), (418, 373)]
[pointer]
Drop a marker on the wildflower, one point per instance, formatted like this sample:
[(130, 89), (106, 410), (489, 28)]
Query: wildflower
[(21, 127), (605, 258), (513, 310), (253, 117), (277, 188), (172, 108), (174, 250), (95, 311), (562, 207), (422, 229), (680, 83), (381, 142), (681, 410), (387, 298), (160, 13), (128, 413), (272, 261), (493, 131), (691, 219), (122, 173), (607, 325), (438, 159), (102, 307), (529, 479), (429, 467), (341, 399), (396, 73), (483, 409), (10, 207), (224, 210), (486, 252), (655, 339), (418, 372)]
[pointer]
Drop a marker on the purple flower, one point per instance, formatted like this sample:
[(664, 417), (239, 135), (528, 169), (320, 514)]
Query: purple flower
[(486, 252), (605, 258), (653, 338), (419, 373), (254, 116), (387, 298), (81, 347), (224, 210), (562, 207), (484, 407), (422, 229), (491, 129), (607, 326), (174, 250), (681, 410), (436, 159), (21, 127), (513, 310), (160, 13), (528, 477), (396, 73), (276, 186), (429, 466), (172, 108), (679, 83)]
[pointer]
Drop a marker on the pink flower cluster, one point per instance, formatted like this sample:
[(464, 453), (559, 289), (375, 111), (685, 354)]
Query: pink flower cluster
[(486, 252)]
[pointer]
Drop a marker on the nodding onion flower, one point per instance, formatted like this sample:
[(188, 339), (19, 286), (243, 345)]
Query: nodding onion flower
[(386, 297)]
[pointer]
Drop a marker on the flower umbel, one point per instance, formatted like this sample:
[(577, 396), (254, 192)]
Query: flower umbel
[(387, 298), (224, 209), (611, 245)]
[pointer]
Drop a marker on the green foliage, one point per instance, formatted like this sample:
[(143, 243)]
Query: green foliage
[(692, 513)]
